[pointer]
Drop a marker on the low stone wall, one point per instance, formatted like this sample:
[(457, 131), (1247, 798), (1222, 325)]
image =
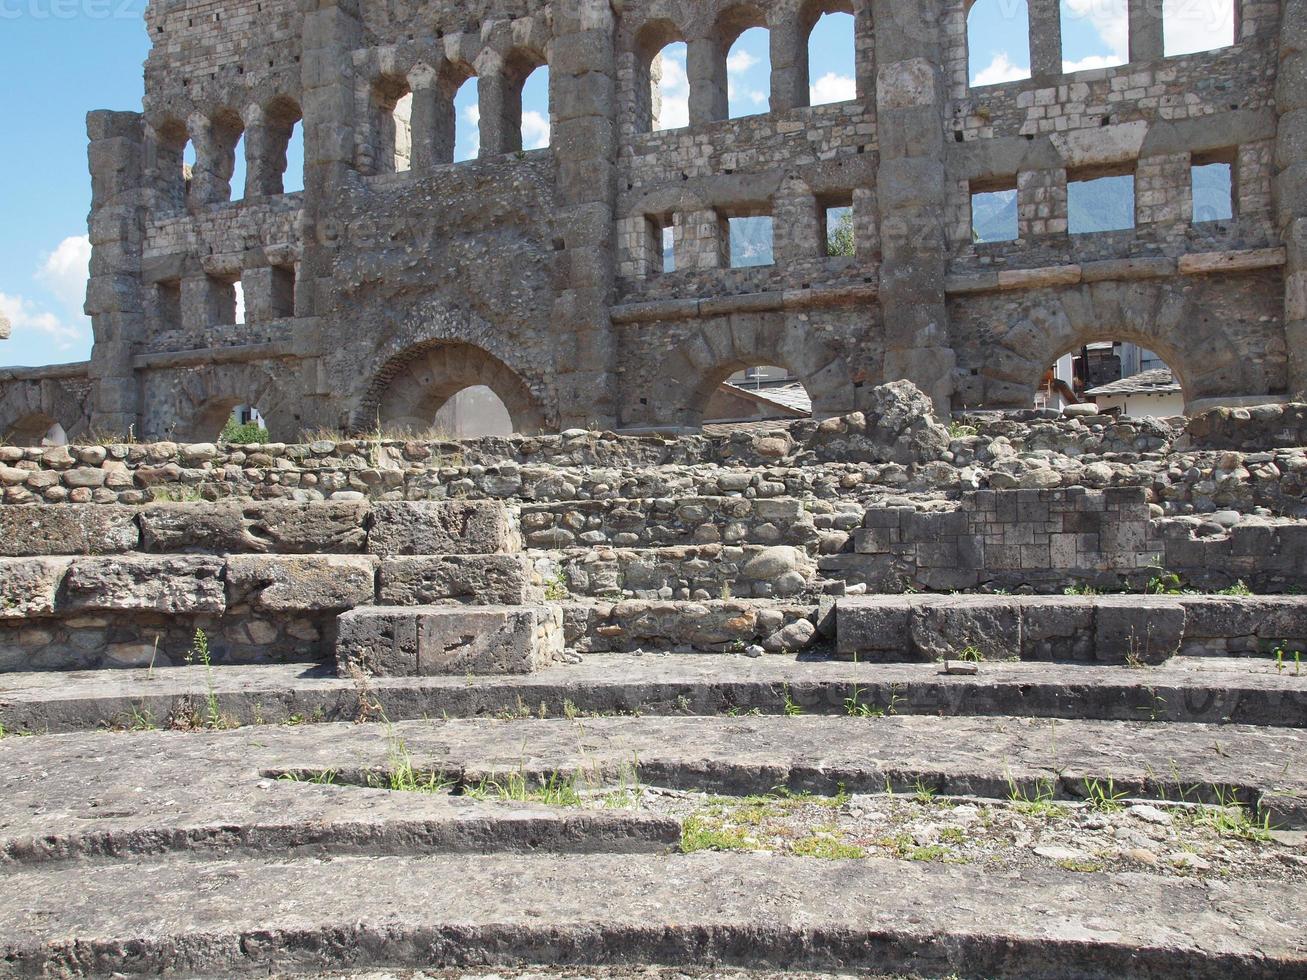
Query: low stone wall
[(1251, 429), (1132, 630), (724, 626)]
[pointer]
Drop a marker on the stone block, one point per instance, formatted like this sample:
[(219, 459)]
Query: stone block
[(425, 641), (175, 585), (301, 583), (30, 586), (875, 627), (1057, 628), (331, 527), (943, 628), (75, 529), (496, 580), (1143, 629), (441, 527)]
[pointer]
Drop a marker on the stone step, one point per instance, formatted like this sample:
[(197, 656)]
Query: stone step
[(244, 791), (1189, 689), (1126, 629), (223, 918)]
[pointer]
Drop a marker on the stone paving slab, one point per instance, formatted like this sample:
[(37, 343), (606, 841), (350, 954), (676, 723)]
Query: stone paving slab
[(225, 918), (115, 795), (1199, 689)]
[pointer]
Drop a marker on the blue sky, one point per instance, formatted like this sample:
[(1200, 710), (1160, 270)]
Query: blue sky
[(61, 58)]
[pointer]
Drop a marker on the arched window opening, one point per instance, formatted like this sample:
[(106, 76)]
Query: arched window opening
[(292, 178), (238, 289), (998, 42), (392, 107), (1214, 190), (240, 170), (245, 426), (761, 393), (467, 120), (36, 430), (1112, 377), (1095, 34), (533, 108), (472, 413), (831, 59), (1190, 26), (662, 81), (748, 73), (174, 163)]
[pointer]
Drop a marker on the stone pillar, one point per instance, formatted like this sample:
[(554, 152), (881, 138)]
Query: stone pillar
[(115, 301), (706, 68), (425, 121), (1045, 38), (269, 293), (1291, 186), (1147, 42), (796, 228), (1163, 190), (207, 302), (789, 62), (1041, 203), (583, 83), (500, 102), (332, 32), (215, 159), (699, 239), (912, 109)]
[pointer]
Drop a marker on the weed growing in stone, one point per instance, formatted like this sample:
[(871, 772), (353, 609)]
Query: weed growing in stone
[(1080, 590), (791, 707), (324, 778), (1231, 818), (1240, 588), (1103, 795), (1041, 805), (827, 848), (1163, 582), (554, 789), (972, 655)]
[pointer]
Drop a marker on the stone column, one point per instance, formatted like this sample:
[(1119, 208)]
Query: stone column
[(912, 109), (425, 122), (1147, 42), (1291, 186), (207, 302), (699, 240), (706, 68), (1163, 189), (796, 229), (789, 63), (269, 293), (500, 102), (331, 33), (1041, 203), (583, 82), (1045, 38), (115, 301), (215, 160)]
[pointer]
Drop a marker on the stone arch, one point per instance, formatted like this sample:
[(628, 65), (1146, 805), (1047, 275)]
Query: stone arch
[(29, 409), (651, 41), (1205, 350), (203, 399), (413, 385), (716, 349)]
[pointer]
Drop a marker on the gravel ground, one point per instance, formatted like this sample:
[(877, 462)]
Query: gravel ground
[(1112, 835)]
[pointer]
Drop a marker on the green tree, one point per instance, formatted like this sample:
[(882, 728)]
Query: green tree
[(839, 240)]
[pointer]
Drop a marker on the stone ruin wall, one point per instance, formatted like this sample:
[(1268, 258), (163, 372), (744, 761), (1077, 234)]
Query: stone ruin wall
[(374, 295)]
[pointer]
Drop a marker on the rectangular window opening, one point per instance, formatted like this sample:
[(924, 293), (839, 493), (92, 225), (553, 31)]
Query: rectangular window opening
[(994, 213), (1214, 188), (1103, 201), (749, 241), (837, 227), (168, 304)]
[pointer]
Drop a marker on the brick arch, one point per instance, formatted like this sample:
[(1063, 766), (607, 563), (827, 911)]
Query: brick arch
[(413, 385), (29, 409), (717, 349), (1204, 350)]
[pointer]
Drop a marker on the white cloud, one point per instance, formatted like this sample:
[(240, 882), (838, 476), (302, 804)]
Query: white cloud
[(1110, 20), (1198, 25), (472, 116), (740, 61), (1093, 61), (64, 272), (1000, 70), (832, 88), (675, 91), (535, 130), (25, 317)]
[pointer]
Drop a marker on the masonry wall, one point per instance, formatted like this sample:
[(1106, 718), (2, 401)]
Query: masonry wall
[(396, 277)]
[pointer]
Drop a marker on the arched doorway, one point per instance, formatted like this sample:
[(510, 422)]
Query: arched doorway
[(414, 387), (1114, 377), (760, 393)]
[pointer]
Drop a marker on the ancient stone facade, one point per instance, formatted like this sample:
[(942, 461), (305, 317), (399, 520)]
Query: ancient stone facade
[(378, 292)]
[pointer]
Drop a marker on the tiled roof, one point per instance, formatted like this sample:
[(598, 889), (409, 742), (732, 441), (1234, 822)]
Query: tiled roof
[(1159, 381)]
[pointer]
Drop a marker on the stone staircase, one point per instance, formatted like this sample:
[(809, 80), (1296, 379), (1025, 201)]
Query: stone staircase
[(305, 700)]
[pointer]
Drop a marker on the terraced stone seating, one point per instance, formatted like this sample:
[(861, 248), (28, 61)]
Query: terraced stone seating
[(631, 680)]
